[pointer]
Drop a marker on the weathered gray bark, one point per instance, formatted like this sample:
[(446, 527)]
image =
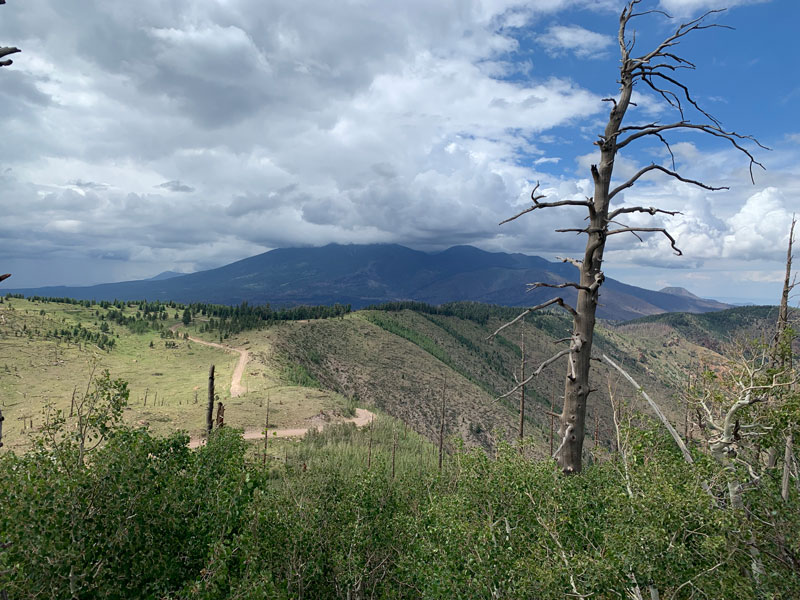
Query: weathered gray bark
[(787, 468), (656, 70), (783, 311), (657, 409), (210, 407), (522, 389), (441, 425)]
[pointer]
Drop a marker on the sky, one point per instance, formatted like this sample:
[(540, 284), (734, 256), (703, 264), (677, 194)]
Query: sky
[(183, 135)]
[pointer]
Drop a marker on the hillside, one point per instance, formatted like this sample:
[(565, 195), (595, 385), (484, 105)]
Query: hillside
[(50, 350), (361, 275), (399, 361), (714, 330), (346, 509)]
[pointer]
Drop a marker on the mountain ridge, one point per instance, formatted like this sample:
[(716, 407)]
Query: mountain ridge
[(361, 275)]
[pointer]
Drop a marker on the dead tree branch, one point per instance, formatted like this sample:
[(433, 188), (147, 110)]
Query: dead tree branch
[(5, 51), (566, 284), (573, 261), (536, 204), (655, 167), (649, 229), (684, 450), (651, 210), (535, 374), (559, 301)]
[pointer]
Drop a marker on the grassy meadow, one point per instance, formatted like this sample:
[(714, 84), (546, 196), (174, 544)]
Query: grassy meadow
[(167, 377)]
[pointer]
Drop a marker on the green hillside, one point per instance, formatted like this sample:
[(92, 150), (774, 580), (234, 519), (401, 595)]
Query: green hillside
[(397, 359), (713, 330), (49, 351), (362, 513)]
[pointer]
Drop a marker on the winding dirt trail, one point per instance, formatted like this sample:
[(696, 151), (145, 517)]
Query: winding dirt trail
[(236, 379), (362, 418)]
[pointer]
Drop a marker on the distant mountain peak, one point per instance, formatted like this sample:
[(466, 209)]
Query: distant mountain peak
[(165, 275), (679, 291)]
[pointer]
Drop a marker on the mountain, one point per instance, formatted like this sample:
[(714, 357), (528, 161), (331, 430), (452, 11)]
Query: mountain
[(361, 275), (678, 291), (684, 293), (165, 275)]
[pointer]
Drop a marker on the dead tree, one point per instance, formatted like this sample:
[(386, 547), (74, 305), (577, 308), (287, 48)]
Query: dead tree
[(522, 389), (441, 423), (658, 71), (783, 312), (210, 407), (220, 422)]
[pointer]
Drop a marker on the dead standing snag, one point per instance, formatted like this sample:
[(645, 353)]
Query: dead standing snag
[(658, 71)]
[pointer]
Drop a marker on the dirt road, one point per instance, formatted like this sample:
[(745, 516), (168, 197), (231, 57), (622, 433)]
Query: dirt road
[(362, 418), (236, 380)]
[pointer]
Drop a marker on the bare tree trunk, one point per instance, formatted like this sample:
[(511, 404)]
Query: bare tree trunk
[(522, 388), (772, 458), (441, 424), (596, 429), (783, 311), (220, 415), (266, 432), (2, 418), (656, 70), (576, 383), (552, 421), (369, 451), (394, 449), (787, 463), (210, 408)]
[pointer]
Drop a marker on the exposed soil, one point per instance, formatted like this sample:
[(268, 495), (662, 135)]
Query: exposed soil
[(236, 380), (362, 418)]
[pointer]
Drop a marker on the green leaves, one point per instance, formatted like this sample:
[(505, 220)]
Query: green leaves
[(145, 517)]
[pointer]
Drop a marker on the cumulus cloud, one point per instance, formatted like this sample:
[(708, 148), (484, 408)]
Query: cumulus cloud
[(559, 39), (760, 228), (689, 7), (305, 123)]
